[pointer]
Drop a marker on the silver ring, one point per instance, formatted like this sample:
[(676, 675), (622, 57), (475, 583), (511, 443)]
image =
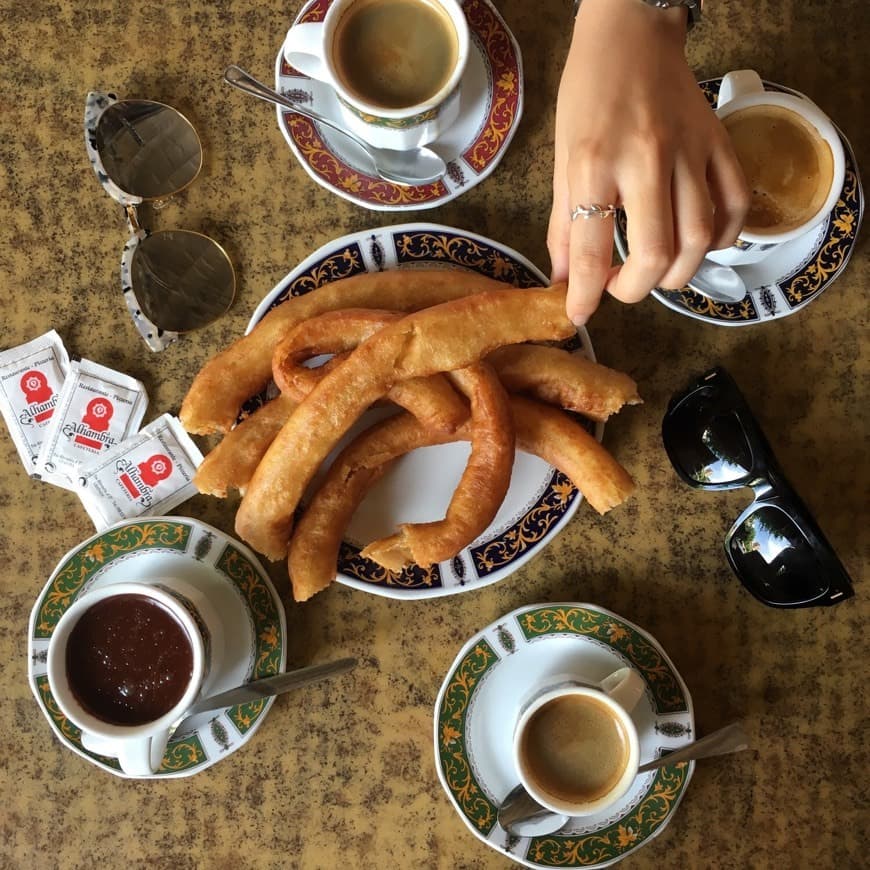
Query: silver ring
[(591, 211)]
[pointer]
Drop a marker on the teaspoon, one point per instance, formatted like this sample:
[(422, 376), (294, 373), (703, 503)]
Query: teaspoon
[(412, 167), (719, 283), (522, 815)]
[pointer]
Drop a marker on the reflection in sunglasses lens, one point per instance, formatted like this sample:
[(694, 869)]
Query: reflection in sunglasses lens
[(775, 558), (149, 150), (711, 447), (182, 280)]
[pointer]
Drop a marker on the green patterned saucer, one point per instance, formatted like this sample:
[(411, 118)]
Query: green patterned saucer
[(540, 500), (237, 587), (479, 702)]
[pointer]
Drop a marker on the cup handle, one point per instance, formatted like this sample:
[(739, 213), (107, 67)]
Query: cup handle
[(625, 686), (137, 757), (739, 83), (303, 50)]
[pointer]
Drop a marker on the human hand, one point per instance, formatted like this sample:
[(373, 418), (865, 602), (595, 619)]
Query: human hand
[(634, 129)]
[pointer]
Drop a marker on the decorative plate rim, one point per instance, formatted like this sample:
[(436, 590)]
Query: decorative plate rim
[(440, 192), (668, 782), (185, 751), (428, 583)]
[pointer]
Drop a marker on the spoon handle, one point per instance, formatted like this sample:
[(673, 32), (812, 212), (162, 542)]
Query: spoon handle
[(244, 81), (731, 738)]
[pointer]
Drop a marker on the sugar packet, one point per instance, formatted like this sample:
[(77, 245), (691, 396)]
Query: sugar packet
[(146, 475), (97, 408), (31, 377)]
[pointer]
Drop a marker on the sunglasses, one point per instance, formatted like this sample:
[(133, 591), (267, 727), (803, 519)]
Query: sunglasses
[(146, 152), (775, 547)]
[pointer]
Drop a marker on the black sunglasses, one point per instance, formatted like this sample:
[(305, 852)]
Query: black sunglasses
[(775, 547)]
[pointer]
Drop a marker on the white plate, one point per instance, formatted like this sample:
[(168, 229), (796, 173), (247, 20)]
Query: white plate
[(793, 275), (238, 588), (540, 500), (479, 702), (491, 105)]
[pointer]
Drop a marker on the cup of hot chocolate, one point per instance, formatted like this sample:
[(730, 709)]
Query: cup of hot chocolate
[(395, 65), (127, 660), (793, 160), (575, 746)]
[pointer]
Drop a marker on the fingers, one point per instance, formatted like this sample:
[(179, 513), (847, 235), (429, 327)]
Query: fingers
[(730, 195), (693, 223), (559, 230), (647, 200)]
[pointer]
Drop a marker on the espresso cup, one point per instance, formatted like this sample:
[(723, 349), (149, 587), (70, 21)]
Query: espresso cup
[(125, 661), (395, 65), (793, 160), (576, 747)]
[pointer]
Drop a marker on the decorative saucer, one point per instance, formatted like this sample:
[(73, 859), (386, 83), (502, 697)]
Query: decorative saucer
[(480, 700), (238, 588), (491, 105), (793, 275), (540, 500)]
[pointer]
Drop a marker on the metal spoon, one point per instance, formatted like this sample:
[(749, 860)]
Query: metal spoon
[(412, 167), (719, 283), (522, 815)]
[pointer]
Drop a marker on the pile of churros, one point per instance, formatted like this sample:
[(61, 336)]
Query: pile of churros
[(465, 357)]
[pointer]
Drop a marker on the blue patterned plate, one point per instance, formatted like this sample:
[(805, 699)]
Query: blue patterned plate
[(540, 500), (480, 699), (795, 274), (237, 587)]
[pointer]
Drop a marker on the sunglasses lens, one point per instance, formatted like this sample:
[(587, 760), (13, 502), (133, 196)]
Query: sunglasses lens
[(182, 280), (773, 557), (706, 441), (149, 150)]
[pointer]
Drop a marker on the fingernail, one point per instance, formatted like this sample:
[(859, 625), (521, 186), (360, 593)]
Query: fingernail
[(579, 320)]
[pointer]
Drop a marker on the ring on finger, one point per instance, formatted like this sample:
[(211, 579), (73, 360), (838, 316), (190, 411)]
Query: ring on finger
[(594, 210)]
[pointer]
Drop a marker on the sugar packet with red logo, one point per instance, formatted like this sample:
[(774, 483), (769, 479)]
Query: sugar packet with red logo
[(31, 377), (97, 409), (146, 475)]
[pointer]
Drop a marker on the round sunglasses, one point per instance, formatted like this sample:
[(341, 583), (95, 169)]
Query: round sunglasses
[(775, 546), (143, 151)]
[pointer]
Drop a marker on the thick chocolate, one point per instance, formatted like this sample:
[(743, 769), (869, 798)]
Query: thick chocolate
[(128, 660)]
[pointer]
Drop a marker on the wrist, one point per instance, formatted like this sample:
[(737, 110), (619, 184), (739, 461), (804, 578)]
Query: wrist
[(675, 20)]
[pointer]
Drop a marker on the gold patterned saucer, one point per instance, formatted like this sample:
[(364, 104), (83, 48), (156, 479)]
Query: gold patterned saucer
[(793, 275), (237, 587), (491, 104), (540, 501), (479, 702)]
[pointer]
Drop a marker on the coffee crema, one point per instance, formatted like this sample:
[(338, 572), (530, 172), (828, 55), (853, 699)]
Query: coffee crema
[(788, 166), (575, 749), (129, 661), (395, 53)]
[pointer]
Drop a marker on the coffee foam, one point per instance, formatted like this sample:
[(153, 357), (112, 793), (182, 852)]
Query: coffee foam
[(788, 166)]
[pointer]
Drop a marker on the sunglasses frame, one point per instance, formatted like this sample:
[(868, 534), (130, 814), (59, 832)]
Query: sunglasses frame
[(156, 337), (769, 485)]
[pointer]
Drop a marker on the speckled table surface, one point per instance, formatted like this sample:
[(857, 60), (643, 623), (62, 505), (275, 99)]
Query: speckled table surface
[(343, 774)]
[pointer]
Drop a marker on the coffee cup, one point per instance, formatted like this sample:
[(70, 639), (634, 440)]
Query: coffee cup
[(793, 160), (395, 65), (126, 660), (575, 747)]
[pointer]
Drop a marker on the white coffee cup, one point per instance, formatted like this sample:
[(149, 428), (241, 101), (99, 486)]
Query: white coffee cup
[(614, 697), (309, 48), (742, 89), (139, 748)]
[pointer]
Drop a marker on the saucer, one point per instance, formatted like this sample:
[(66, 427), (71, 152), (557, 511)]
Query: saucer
[(540, 500), (238, 588), (479, 702), (491, 104), (793, 275)]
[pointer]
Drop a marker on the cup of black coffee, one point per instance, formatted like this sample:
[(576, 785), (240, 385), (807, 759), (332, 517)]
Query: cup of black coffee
[(125, 661), (576, 747), (395, 65), (793, 160)]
